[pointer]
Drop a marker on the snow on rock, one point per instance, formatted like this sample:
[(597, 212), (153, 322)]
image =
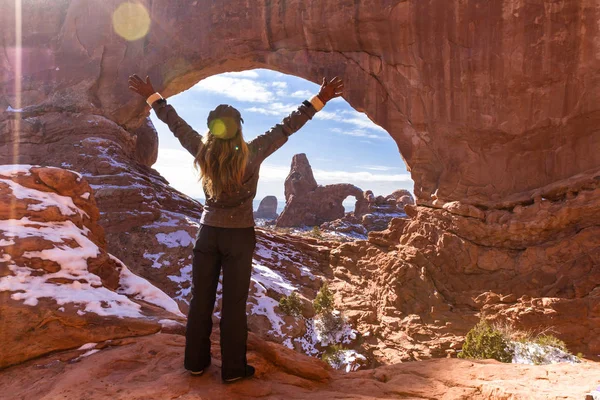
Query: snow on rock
[(141, 289), (87, 346), (342, 332), (154, 258), (536, 354), (184, 281), (169, 323), (265, 305), (55, 268), (269, 279), (347, 360), (178, 238), (45, 199), (14, 169)]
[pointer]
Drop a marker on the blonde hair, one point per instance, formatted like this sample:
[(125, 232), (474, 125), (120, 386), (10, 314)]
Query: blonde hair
[(222, 163)]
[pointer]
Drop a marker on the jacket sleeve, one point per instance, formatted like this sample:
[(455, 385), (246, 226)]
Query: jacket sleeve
[(264, 145), (188, 137)]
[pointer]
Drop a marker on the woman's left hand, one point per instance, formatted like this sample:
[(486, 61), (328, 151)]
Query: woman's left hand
[(137, 85), (331, 90)]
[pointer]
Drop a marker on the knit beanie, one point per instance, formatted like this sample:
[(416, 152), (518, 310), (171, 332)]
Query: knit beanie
[(224, 122)]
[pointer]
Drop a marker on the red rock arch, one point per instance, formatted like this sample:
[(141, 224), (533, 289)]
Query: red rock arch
[(481, 112)]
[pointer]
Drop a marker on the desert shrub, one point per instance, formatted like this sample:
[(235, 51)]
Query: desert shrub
[(333, 354), (485, 342), (316, 232), (291, 305), (550, 340), (323, 302), (332, 322)]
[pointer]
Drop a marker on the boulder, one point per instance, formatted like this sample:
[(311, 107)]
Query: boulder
[(267, 209)]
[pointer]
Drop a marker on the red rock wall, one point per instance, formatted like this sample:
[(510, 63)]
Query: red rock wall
[(487, 100)]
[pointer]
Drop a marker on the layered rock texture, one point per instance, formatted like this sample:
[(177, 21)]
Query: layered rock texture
[(310, 204), (376, 216), (59, 287), (487, 101), (494, 106), (151, 367)]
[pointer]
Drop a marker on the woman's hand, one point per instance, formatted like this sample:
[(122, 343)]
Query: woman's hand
[(137, 85), (331, 90)]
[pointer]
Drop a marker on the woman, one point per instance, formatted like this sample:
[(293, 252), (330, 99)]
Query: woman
[(226, 238)]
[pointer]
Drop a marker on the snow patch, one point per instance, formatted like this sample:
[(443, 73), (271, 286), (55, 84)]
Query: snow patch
[(14, 169), (87, 346), (85, 288), (536, 354), (46, 199), (178, 238), (141, 289), (169, 323), (154, 258)]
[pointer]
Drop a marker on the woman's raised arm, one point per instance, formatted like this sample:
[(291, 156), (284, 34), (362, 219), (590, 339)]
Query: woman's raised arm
[(264, 145), (188, 137)]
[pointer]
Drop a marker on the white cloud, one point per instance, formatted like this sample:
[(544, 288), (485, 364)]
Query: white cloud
[(177, 167), (241, 74), (301, 94), (279, 84), (361, 176), (350, 117), (240, 89), (328, 115), (274, 109), (271, 172), (361, 133), (377, 167)]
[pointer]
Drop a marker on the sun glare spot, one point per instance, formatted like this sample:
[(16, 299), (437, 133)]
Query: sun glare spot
[(217, 128), (131, 21)]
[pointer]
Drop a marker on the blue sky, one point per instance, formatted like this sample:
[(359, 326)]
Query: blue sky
[(342, 145)]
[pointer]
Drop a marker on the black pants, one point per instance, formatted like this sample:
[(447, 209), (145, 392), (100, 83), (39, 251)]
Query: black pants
[(232, 249)]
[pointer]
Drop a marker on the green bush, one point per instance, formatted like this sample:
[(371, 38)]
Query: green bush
[(323, 302), (316, 232), (333, 354), (291, 305), (549, 340), (485, 342)]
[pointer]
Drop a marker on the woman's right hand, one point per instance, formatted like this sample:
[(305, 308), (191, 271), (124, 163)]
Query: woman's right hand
[(137, 85), (331, 90)]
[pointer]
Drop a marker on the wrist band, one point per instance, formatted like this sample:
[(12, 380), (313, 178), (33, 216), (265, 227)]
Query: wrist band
[(152, 98), (317, 103)]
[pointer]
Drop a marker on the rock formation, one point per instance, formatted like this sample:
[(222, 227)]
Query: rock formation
[(59, 288), (152, 366), (472, 93), (267, 209), (382, 209), (375, 214), (309, 204), (494, 107)]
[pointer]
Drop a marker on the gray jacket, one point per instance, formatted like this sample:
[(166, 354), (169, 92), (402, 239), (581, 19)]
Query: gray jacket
[(235, 210)]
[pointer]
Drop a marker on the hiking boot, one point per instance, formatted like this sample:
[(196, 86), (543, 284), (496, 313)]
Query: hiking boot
[(249, 372)]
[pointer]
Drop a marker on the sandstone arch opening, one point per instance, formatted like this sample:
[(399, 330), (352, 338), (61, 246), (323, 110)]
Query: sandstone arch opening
[(343, 145)]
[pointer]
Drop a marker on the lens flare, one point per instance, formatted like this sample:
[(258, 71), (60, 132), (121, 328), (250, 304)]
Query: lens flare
[(131, 21), (218, 128)]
